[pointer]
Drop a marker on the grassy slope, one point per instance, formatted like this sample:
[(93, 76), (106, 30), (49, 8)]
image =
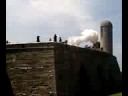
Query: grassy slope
[(118, 94)]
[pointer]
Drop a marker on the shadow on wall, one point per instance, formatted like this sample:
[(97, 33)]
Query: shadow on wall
[(98, 86), (8, 90), (85, 87)]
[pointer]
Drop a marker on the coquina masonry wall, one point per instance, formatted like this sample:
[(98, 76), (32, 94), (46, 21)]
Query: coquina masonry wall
[(31, 70)]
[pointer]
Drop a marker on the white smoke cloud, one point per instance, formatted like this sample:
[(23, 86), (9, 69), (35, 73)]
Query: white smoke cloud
[(87, 35)]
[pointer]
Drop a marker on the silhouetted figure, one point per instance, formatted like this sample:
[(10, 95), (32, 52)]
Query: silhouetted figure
[(66, 41), (96, 45), (7, 42), (38, 38), (55, 38), (50, 39), (60, 40), (86, 46), (101, 49)]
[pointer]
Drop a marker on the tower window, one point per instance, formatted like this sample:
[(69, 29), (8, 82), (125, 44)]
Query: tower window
[(101, 33)]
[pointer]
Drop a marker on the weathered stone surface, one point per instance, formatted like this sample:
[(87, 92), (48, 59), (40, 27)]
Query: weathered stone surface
[(28, 71)]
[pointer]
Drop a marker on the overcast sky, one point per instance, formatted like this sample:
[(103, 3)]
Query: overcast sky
[(25, 19)]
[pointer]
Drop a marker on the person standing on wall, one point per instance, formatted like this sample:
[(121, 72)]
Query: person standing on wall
[(55, 38), (60, 40), (38, 39)]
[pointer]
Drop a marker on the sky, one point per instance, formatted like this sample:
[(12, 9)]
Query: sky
[(25, 19)]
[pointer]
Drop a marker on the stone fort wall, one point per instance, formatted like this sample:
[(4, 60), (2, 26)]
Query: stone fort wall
[(56, 69)]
